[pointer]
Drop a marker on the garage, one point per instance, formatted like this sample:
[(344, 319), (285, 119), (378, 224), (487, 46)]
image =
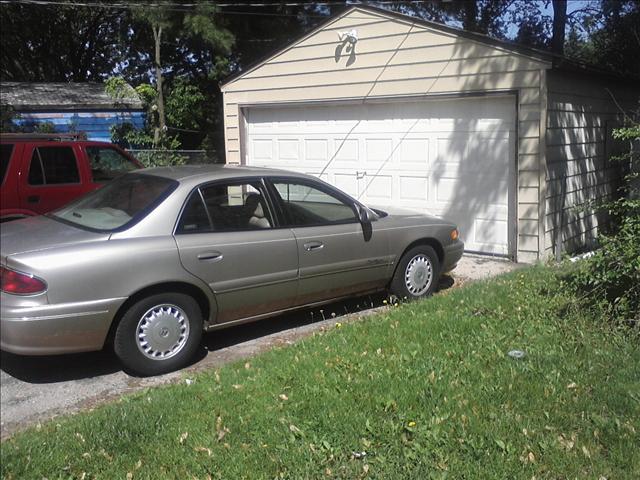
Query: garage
[(450, 158), (509, 142)]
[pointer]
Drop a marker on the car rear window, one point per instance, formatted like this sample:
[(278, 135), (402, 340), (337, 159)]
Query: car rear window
[(107, 163), (5, 158), (119, 204)]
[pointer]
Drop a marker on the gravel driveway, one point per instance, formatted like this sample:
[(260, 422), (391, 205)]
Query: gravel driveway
[(35, 389)]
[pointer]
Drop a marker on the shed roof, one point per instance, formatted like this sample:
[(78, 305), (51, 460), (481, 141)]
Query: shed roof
[(64, 96)]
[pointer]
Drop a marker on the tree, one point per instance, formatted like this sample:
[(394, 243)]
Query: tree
[(197, 28), (607, 35), (559, 26), (59, 43)]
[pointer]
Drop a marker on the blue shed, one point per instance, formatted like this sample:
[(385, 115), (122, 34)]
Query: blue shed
[(71, 107)]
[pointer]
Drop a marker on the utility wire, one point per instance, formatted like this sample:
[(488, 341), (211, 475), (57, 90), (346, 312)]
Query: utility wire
[(193, 5)]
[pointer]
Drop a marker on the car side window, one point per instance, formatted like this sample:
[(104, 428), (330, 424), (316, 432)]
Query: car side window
[(107, 163), (226, 207), (53, 165), (305, 205)]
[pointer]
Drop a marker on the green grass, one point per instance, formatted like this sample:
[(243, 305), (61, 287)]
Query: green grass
[(426, 390)]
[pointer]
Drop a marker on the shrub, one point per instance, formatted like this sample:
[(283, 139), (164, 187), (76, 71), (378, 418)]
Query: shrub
[(610, 279)]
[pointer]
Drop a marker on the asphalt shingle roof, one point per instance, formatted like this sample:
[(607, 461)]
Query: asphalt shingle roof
[(63, 96)]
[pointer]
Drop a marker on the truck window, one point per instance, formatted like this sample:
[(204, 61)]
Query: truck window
[(53, 165), (5, 158)]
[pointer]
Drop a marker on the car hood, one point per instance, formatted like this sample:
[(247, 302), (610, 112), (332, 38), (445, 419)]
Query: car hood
[(396, 213), (41, 233)]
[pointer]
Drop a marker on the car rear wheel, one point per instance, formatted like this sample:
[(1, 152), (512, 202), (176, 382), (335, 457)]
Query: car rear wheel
[(417, 274), (159, 334)]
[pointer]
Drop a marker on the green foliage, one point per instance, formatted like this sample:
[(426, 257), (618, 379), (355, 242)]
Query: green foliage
[(61, 43), (44, 127), (127, 136), (610, 279), (426, 390), (185, 106), (147, 94), (118, 88), (8, 115), (160, 158)]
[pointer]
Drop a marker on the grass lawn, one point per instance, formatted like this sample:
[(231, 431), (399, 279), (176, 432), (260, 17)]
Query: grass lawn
[(422, 391)]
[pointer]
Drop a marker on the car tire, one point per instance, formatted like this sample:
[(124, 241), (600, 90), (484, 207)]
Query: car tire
[(417, 274), (159, 334)]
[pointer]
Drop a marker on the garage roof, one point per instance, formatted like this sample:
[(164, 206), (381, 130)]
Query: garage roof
[(554, 61)]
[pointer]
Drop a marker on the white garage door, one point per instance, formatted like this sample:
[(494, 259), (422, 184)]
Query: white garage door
[(450, 158)]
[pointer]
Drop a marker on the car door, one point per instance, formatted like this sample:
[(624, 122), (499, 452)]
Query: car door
[(9, 174), (227, 237), (53, 177), (338, 255)]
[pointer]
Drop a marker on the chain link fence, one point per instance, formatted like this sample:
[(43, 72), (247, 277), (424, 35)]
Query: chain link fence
[(156, 158)]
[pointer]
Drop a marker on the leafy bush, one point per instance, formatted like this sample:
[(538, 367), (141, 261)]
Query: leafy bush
[(610, 279)]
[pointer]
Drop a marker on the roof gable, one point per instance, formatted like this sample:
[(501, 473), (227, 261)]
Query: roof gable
[(368, 22)]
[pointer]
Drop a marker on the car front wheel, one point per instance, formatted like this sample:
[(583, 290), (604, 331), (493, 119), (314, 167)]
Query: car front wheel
[(417, 274), (159, 334)]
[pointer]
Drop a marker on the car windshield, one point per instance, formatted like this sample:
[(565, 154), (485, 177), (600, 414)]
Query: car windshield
[(118, 204)]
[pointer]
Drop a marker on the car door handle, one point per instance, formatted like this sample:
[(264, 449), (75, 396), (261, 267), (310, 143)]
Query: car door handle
[(213, 256), (33, 199), (311, 246)]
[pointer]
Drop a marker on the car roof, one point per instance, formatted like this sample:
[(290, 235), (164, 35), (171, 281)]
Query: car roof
[(213, 172)]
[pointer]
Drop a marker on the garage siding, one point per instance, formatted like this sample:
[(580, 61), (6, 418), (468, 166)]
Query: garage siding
[(398, 59), (581, 116)]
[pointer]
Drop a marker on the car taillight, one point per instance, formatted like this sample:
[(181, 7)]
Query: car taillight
[(18, 283)]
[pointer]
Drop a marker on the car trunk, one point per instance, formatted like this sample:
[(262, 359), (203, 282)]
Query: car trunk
[(41, 233)]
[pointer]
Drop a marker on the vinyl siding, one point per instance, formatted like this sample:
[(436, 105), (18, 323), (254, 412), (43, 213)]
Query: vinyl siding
[(581, 115), (96, 124), (399, 59)]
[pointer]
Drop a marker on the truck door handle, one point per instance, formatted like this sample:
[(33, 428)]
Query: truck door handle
[(33, 199), (213, 256), (311, 246)]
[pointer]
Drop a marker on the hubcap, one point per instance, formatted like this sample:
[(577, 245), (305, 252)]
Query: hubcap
[(418, 275), (162, 332)]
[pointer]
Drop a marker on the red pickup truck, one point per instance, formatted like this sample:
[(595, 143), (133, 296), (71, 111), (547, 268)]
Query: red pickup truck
[(42, 172)]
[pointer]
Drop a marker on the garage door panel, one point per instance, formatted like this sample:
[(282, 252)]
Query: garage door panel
[(316, 150), (413, 189), (378, 150), (414, 153), (346, 182), (472, 191), (451, 158), (489, 232), (346, 150), (378, 189), (288, 150), (262, 150)]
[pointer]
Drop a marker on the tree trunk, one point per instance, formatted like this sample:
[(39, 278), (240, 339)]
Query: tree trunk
[(559, 26), (470, 21), (161, 125)]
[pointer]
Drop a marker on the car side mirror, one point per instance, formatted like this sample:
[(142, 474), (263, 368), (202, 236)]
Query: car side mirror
[(364, 216)]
